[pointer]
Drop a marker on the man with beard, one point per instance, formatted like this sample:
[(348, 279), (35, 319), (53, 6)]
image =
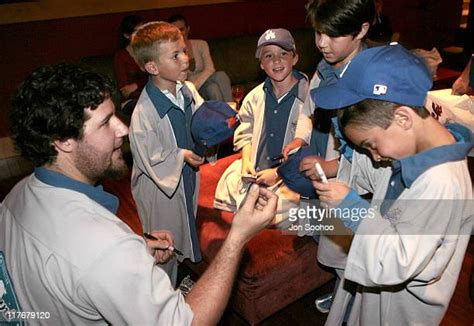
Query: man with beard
[(65, 256)]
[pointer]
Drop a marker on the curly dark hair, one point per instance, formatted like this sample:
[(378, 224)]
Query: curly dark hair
[(49, 105)]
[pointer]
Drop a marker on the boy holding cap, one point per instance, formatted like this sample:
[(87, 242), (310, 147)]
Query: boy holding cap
[(268, 119), (406, 258), (165, 177)]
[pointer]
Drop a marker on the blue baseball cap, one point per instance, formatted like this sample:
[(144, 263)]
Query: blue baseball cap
[(387, 73), (212, 123), (291, 176)]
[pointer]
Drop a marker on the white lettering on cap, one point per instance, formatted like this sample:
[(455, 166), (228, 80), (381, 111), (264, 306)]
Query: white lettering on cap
[(379, 89), (269, 35)]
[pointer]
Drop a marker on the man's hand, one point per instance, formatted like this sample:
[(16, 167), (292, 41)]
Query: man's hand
[(159, 248), (208, 297), (295, 143), (128, 89), (331, 193), (267, 177), (192, 158), (254, 214)]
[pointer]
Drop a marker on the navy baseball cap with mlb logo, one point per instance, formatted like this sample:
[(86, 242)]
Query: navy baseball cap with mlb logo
[(212, 123), (388, 73)]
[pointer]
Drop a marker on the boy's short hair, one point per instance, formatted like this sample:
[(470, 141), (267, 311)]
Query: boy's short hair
[(146, 40), (374, 113), (276, 36), (340, 17)]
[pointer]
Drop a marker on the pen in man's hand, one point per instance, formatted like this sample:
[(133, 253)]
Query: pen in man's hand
[(173, 249)]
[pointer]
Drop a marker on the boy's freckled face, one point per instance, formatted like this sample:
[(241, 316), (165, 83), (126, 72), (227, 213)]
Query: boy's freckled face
[(173, 63), (337, 50), (392, 143), (277, 62)]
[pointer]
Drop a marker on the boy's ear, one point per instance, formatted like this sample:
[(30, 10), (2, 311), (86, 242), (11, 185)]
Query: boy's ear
[(152, 68), (403, 117), (296, 57), (363, 31)]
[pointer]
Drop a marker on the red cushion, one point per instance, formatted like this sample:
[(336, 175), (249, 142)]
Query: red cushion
[(276, 269)]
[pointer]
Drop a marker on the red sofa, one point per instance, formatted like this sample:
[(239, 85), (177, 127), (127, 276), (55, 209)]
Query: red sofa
[(276, 269)]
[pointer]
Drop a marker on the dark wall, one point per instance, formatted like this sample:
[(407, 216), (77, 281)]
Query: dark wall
[(25, 46), (425, 23)]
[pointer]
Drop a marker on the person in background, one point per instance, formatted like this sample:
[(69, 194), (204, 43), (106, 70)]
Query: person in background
[(130, 78), (69, 257), (341, 28), (381, 31), (165, 174), (211, 84), (463, 85)]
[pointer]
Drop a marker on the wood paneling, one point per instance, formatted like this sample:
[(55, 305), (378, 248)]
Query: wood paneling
[(35, 10)]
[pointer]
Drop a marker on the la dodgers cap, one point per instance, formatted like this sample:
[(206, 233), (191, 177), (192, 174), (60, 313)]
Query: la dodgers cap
[(278, 36), (387, 73), (212, 123)]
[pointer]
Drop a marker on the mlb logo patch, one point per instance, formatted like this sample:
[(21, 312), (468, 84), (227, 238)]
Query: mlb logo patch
[(379, 89)]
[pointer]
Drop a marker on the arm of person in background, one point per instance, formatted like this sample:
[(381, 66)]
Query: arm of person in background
[(209, 296), (461, 85), (121, 75), (201, 53)]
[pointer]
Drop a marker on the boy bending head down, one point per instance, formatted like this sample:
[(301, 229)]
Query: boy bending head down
[(406, 258)]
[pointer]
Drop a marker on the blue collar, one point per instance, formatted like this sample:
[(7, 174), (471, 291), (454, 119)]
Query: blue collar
[(413, 166), (326, 71), (268, 87), (97, 194), (161, 102)]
